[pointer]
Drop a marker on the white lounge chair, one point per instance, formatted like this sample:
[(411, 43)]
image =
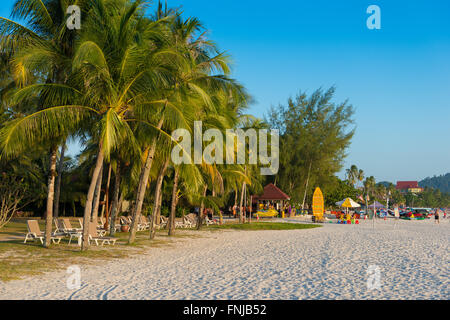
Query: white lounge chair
[(34, 233), (163, 222), (59, 225), (188, 223), (94, 236), (68, 226), (143, 223)]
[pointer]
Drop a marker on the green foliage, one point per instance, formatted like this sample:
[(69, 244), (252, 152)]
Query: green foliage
[(338, 190), (314, 132), (437, 182), (429, 198)]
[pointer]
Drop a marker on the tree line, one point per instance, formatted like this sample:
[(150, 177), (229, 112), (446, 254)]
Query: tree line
[(119, 85)]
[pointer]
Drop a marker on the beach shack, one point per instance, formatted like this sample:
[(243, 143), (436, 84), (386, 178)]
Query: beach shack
[(272, 198)]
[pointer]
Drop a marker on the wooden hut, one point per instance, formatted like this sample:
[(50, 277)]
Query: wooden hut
[(271, 195)]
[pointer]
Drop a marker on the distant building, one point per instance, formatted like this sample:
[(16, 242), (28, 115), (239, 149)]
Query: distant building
[(408, 187)]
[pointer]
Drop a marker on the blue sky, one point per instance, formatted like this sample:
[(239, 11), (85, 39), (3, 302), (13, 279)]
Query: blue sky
[(397, 78)]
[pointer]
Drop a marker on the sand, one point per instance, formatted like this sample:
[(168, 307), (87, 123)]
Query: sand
[(323, 263)]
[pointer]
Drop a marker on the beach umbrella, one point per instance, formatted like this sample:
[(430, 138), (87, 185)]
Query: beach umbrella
[(348, 203), (376, 205)]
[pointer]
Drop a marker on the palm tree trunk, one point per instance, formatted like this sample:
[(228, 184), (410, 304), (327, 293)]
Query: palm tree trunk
[(50, 196), (158, 210), (241, 211), (235, 203), (213, 195), (202, 208), (174, 203), (143, 182), (89, 198), (115, 202), (106, 199), (120, 204), (97, 196), (58, 182), (157, 202)]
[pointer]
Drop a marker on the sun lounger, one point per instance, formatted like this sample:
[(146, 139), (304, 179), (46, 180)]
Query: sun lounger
[(94, 236), (146, 222), (117, 225), (59, 225), (68, 230), (143, 223), (34, 233), (179, 224), (124, 221), (68, 226), (188, 223), (162, 223)]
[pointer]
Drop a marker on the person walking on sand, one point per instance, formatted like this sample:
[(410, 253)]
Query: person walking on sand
[(436, 216)]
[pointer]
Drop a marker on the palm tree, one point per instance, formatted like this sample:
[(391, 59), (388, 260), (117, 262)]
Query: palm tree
[(354, 175), (59, 180), (112, 73), (121, 74), (41, 51), (369, 185), (193, 86), (158, 197)]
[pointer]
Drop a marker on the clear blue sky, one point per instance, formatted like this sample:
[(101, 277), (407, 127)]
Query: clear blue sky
[(397, 78)]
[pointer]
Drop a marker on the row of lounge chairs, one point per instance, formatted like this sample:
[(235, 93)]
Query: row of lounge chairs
[(144, 223), (190, 221), (97, 232), (65, 229)]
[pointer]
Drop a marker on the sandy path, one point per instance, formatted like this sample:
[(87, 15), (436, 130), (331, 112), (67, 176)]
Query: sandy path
[(323, 263)]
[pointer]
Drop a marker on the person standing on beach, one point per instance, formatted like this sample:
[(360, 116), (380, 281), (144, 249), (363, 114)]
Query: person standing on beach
[(436, 216)]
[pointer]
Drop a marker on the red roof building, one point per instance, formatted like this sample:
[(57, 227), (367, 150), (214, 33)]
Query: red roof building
[(272, 193), (408, 187)]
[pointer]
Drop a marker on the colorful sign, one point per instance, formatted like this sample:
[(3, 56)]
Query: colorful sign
[(318, 203)]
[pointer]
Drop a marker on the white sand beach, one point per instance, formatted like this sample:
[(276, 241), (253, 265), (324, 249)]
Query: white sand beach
[(322, 263)]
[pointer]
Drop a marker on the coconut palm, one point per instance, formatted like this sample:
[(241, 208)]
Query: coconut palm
[(113, 70), (192, 94), (354, 175), (41, 50)]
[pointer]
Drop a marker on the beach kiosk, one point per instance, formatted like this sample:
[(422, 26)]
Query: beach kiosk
[(271, 199)]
